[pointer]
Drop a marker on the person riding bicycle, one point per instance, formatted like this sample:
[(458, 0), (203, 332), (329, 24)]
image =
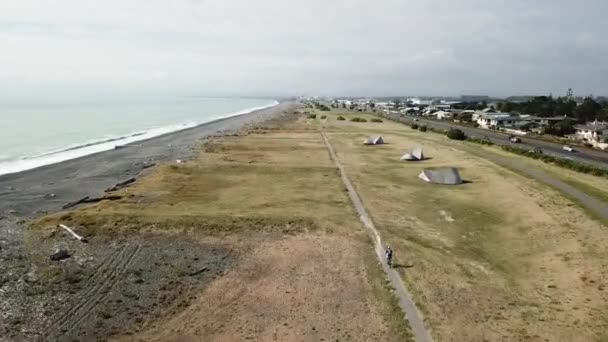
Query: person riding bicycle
[(389, 256)]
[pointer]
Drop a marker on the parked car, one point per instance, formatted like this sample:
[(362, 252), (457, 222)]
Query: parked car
[(568, 148), (514, 140)]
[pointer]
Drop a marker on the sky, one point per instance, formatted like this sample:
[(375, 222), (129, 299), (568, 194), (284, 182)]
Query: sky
[(306, 47)]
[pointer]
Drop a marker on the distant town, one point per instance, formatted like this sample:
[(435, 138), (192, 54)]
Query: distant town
[(579, 119)]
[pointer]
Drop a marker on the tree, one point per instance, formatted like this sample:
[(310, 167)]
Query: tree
[(569, 94), (588, 110), (506, 107), (465, 117), (561, 128), (397, 104)]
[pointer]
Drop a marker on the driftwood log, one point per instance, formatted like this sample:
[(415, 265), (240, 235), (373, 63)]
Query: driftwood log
[(120, 185), (87, 199), (73, 233), (73, 204)]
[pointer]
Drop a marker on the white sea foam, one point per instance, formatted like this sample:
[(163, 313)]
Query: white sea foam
[(109, 143)]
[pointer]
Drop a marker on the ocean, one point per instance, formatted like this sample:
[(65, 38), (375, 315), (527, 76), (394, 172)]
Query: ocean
[(43, 133)]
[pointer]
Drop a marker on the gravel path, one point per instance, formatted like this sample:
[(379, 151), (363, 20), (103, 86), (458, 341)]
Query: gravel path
[(414, 317)]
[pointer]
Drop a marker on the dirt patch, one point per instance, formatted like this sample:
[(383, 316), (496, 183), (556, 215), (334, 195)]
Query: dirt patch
[(105, 286), (287, 289)]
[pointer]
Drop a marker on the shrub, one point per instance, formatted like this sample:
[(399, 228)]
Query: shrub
[(358, 120), (565, 163), (456, 134), (481, 141), (422, 128), (312, 116), (375, 120), (414, 126), (341, 118), (323, 117)]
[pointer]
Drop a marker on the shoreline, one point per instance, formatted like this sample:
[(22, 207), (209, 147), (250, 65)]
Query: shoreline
[(30, 194), (42, 190), (140, 143), (100, 145)]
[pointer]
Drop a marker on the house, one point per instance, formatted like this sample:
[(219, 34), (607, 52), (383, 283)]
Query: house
[(592, 132), (443, 115), (441, 106), (497, 120), (543, 121)]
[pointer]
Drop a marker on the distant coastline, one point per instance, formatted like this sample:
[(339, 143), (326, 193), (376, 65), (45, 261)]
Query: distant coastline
[(11, 166)]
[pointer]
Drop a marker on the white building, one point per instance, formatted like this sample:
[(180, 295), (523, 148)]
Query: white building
[(592, 132), (443, 115), (496, 120)]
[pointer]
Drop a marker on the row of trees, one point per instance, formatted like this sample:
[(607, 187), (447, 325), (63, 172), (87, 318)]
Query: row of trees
[(546, 106)]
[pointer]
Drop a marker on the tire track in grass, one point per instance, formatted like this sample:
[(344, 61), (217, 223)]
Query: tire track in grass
[(421, 334), (101, 283)]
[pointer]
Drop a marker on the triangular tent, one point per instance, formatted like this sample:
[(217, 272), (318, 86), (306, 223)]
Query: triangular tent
[(447, 175), (374, 141), (415, 155)]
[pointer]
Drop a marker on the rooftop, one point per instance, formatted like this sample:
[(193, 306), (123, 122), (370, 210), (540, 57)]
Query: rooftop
[(591, 127)]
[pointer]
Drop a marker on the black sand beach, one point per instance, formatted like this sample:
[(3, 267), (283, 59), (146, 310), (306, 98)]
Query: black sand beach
[(30, 194)]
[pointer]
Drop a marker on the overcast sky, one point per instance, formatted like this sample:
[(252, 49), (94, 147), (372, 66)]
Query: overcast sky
[(327, 47)]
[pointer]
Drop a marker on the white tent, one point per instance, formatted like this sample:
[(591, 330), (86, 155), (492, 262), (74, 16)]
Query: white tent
[(447, 175), (415, 155), (374, 141)]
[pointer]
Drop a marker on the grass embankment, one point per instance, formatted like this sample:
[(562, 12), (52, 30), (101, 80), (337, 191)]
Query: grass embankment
[(502, 257)]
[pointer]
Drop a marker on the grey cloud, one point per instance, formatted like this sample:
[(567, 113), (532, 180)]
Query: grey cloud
[(390, 47)]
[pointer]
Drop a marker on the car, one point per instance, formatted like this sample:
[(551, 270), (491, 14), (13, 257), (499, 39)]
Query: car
[(568, 148), (514, 140)]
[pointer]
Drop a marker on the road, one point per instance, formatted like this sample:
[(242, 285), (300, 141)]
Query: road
[(594, 157)]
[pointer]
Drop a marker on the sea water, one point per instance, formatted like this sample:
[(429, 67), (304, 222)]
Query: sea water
[(33, 134)]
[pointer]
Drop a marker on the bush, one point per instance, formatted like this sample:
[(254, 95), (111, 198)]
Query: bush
[(422, 128), (323, 117), (481, 141), (312, 116), (456, 134), (414, 126), (375, 120), (358, 120), (565, 163), (341, 118)]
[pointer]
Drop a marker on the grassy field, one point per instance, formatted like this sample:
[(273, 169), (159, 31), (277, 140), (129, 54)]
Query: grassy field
[(500, 258), (306, 269)]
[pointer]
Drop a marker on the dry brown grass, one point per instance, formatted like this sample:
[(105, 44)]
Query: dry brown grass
[(259, 180), (501, 258), (274, 196)]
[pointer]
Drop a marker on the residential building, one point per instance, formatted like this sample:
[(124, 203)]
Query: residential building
[(497, 120), (593, 132), (443, 115)]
